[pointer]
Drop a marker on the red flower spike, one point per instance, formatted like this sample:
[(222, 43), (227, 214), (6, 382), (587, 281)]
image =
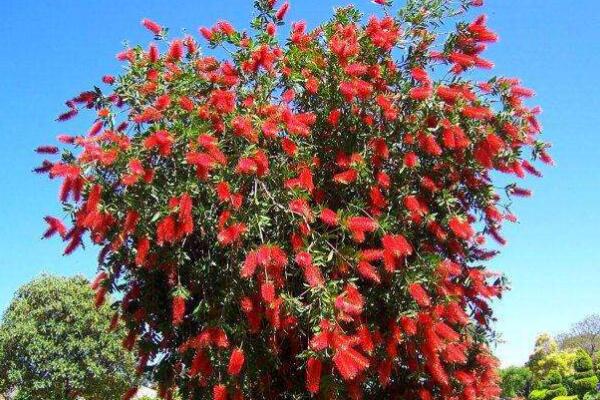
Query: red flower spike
[(178, 310), (313, 375), (236, 362), (152, 26), (419, 295)]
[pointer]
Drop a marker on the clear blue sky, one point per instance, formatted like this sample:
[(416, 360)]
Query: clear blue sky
[(53, 49)]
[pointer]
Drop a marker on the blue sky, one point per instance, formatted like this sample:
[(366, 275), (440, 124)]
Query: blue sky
[(53, 49)]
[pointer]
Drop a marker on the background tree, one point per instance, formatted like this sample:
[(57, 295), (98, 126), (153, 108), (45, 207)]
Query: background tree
[(319, 205), (516, 382), (547, 357), (54, 344), (544, 345), (584, 335)]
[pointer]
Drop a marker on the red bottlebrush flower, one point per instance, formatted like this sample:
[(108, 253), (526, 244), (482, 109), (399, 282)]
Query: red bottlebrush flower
[(409, 326), (419, 295), (176, 50), (271, 29), (280, 14), (313, 375), (520, 192), (397, 245), (530, 168), (429, 145), (231, 234), (410, 160), (162, 102), (425, 394), (368, 271), (420, 93), (223, 101), (178, 310), (313, 275), (329, 217), (98, 280), (350, 363), (289, 147), (446, 332), (67, 115), (350, 302), (219, 392), (546, 158), (185, 218), (461, 228), (303, 259), (267, 292), (448, 94), (206, 33), (153, 53), (152, 26), (165, 231), (225, 27), (359, 225), (160, 140), (477, 112), (47, 150), (54, 226), (420, 75), (95, 128), (143, 246), (236, 362), (346, 177), (100, 295), (108, 79)]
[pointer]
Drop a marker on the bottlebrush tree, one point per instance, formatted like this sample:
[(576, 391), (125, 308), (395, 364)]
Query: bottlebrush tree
[(316, 206)]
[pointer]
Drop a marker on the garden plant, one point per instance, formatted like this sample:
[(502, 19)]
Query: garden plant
[(316, 203)]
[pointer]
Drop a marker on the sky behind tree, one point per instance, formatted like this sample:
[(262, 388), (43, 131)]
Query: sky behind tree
[(55, 49)]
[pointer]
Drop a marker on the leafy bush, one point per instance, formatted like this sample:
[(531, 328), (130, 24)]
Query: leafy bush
[(554, 385), (515, 382), (537, 394), (585, 385), (566, 398), (585, 380), (307, 207), (592, 396), (583, 362)]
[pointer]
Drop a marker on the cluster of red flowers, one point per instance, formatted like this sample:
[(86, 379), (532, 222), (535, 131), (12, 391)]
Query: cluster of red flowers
[(316, 206)]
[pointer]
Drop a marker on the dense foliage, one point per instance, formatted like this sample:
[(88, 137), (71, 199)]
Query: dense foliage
[(515, 382), (55, 345), (318, 206)]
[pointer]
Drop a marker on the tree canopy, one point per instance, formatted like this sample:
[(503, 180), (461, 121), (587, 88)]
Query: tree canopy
[(584, 334), (55, 345)]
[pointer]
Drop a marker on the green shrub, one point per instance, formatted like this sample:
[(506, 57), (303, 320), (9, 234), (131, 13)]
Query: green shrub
[(537, 394), (585, 380), (583, 362), (566, 398), (558, 391), (585, 385), (592, 396), (553, 378)]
